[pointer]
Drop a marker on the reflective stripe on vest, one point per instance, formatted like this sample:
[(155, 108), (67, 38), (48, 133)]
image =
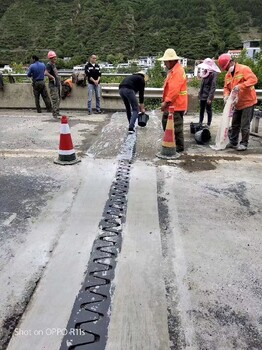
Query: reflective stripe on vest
[(183, 92), (239, 76)]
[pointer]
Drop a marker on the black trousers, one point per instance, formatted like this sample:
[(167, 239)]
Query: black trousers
[(204, 106), (40, 90), (241, 123)]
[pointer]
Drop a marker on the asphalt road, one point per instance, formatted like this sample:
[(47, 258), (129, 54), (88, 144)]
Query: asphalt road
[(189, 272)]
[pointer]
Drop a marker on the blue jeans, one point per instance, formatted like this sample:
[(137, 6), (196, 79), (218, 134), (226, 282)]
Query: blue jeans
[(93, 88), (132, 108)]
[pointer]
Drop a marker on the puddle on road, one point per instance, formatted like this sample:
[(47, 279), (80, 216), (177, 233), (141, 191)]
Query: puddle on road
[(200, 163)]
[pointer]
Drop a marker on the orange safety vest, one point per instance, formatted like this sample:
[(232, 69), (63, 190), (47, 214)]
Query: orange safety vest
[(175, 88), (245, 79), (69, 82)]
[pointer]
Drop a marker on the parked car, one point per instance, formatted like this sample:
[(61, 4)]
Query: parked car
[(79, 68), (6, 68)]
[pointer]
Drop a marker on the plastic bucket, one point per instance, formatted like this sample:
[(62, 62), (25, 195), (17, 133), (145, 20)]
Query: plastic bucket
[(194, 127), (202, 136), (142, 119)]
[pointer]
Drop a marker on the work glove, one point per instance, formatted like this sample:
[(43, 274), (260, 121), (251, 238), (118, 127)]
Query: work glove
[(236, 89)]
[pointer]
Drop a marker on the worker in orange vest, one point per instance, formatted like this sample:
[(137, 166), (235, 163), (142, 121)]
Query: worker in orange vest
[(67, 86), (175, 94), (241, 80)]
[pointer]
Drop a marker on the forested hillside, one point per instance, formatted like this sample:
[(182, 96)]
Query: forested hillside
[(125, 28)]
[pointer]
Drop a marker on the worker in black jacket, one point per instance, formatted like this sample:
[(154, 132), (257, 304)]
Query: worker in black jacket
[(93, 74), (127, 90)]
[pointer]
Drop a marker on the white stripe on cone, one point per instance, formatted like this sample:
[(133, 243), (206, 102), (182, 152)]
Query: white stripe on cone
[(65, 129), (66, 153)]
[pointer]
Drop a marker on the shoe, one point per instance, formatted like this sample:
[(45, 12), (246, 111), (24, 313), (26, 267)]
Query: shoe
[(39, 111), (89, 112), (242, 147), (180, 150), (98, 112), (230, 145), (131, 131)]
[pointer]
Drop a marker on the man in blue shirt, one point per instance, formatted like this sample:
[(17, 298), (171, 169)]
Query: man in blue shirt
[(37, 73)]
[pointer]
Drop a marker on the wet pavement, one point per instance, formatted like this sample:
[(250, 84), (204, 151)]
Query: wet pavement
[(208, 207)]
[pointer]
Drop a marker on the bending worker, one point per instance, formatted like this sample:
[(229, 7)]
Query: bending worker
[(174, 94), (127, 90), (241, 80)]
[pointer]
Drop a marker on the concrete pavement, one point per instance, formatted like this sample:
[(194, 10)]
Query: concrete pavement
[(188, 276)]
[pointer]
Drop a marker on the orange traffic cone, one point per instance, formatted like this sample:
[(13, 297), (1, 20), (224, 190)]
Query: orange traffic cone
[(66, 153), (168, 150)]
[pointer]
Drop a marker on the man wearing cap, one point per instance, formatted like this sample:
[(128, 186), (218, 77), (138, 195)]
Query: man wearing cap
[(207, 89), (54, 82), (174, 94), (127, 90), (241, 80), (37, 73)]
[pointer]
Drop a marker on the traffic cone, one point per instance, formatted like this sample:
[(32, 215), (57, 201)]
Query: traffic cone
[(66, 153), (168, 150)]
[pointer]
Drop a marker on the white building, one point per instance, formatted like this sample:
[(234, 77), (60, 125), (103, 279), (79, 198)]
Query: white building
[(182, 61), (144, 61), (234, 53), (252, 47)]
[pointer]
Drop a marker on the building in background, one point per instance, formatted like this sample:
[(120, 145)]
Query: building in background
[(234, 53), (252, 47)]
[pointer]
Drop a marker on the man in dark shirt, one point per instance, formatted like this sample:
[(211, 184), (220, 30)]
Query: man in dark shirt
[(54, 82), (93, 74), (37, 73), (127, 90)]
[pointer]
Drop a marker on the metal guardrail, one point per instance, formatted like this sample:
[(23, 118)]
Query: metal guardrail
[(112, 91), (109, 90), (66, 73)]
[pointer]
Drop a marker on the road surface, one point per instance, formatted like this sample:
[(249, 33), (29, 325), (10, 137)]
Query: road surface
[(186, 270)]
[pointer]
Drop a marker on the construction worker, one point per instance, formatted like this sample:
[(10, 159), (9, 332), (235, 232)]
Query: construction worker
[(54, 82), (241, 80), (207, 89), (67, 86), (37, 73), (175, 94), (127, 90)]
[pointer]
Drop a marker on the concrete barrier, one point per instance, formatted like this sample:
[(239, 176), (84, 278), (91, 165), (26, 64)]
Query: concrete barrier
[(20, 95)]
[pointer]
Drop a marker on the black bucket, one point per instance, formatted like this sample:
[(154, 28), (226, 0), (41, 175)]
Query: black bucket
[(142, 119), (194, 127), (202, 136)]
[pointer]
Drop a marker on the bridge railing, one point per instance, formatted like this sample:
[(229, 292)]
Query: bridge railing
[(111, 90)]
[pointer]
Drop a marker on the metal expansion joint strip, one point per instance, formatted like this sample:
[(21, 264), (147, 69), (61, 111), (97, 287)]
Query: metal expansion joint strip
[(87, 327)]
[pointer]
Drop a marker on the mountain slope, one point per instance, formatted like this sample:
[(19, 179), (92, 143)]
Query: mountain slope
[(196, 29)]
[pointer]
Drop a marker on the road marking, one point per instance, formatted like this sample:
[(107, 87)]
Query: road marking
[(27, 153)]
